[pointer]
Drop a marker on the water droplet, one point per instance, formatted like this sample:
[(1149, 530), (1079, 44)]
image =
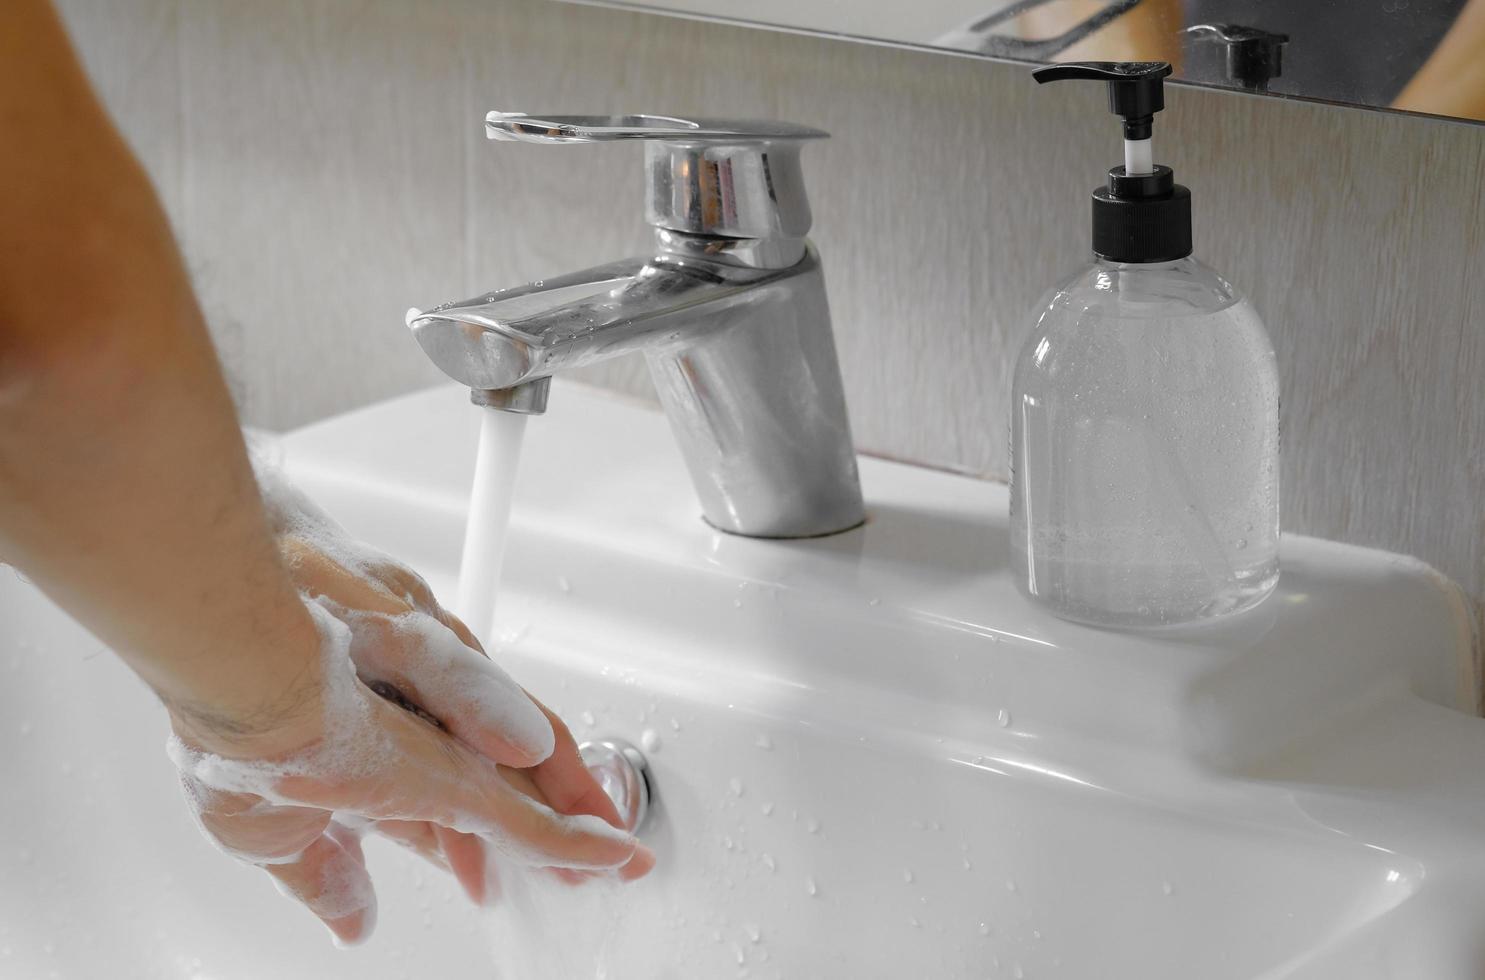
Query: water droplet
[(25, 728), (1036, 934), (1003, 718), (812, 825), (768, 862), (737, 951), (736, 786), (1010, 884), (727, 843), (913, 920), (767, 809), (1167, 888), (763, 741), (649, 740), (809, 887), (967, 865), (1242, 543), (984, 928), (907, 877), (1017, 972), (754, 933), (675, 725), (563, 585), (588, 718), (736, 603), (874, 602)]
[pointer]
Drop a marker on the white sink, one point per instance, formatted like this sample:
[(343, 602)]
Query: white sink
[(874, 758)]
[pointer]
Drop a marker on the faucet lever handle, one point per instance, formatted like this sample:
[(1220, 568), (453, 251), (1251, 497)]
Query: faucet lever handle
[(525, 128), (709, 177)]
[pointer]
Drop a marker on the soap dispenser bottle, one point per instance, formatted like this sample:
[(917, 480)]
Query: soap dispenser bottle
[(1145, 410)]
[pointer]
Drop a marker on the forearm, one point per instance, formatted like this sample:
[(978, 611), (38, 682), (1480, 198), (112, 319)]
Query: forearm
[(125, 491)]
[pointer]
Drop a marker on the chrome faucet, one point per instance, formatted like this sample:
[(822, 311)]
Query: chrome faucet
[(730, 313)]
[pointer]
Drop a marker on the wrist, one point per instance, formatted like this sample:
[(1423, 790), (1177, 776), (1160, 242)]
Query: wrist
[(269, 705)]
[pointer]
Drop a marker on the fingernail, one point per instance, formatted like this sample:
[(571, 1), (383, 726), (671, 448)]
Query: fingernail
[(353, 929)]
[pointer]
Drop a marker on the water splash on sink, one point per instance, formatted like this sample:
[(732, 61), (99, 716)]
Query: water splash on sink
[(501, 435), (543, 927)]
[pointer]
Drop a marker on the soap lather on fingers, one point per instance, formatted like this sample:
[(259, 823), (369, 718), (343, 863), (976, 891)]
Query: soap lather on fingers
[(407, 730)]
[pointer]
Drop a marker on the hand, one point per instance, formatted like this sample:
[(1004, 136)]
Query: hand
[(408, 745)]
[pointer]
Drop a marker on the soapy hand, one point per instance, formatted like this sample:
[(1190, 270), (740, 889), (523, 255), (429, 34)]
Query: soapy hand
[(401, 725)]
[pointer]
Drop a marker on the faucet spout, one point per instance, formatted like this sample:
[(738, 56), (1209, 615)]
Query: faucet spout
[(510, 337), (742, 357)]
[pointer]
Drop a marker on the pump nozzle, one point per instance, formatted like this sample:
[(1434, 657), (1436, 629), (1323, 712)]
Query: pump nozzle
[(1136, 93)]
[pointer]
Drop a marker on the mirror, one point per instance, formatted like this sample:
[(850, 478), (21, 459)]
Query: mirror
[(1424, 56)]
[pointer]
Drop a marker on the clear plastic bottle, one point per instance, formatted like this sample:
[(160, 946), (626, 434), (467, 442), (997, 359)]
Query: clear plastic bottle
[(1145, 448)]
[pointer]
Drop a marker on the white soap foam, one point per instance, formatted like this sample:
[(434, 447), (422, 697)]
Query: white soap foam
[(445, 677), (453, 676), (355, 748)]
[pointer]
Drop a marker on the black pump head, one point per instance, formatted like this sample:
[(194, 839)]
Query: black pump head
[(1142, 214), (1136, 89)]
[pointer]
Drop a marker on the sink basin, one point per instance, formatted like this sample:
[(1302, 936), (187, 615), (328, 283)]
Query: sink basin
[(871, 756)]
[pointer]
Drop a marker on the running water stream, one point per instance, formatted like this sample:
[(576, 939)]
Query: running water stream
[(495, 469)]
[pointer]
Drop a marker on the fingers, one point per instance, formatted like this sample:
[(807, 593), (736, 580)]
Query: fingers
[(320, 576), (461, 854), (563, 779), (249, 828), (401, 636), (312, 858), (466, 859), (473, 697), (566, 783), (329, 878), (464, 633), (641, 864), (432, 777)]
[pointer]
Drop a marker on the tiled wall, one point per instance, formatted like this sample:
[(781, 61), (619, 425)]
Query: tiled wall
[(324, 164)]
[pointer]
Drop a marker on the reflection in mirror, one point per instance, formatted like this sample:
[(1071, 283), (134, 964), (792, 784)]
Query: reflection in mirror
[(1418, 55)]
